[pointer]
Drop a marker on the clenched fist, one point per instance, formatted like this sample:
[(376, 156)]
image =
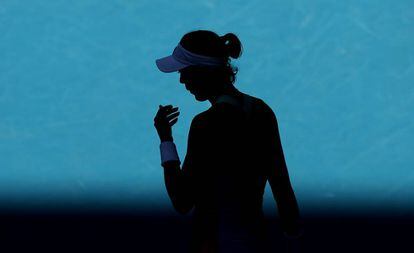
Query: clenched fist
[(165, 118)]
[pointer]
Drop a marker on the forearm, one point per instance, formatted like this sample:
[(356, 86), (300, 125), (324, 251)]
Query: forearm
[(174, 178), (285, 198), (288, 209), (177, 187)]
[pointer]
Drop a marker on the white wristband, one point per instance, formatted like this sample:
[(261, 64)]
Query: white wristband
[(168, 152)]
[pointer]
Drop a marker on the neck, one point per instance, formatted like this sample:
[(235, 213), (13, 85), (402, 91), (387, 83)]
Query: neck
[(230, 91)]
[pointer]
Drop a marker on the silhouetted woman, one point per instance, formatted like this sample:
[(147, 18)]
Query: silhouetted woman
[(233, 149)]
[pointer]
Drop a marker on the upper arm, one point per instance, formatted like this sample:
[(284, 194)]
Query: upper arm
[(276, 168), (193, 149), (189, 166)]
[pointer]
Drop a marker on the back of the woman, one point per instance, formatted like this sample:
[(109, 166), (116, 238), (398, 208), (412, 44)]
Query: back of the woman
[(229, 184)]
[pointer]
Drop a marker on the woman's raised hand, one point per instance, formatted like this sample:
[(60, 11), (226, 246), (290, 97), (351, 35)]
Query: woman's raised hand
[(165, 118)]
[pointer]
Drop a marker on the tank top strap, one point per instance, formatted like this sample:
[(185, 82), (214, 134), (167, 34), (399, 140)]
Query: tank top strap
[(246, 104), (227, 99)]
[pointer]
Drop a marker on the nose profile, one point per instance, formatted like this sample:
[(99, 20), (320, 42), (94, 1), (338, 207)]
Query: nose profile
[(182, 80)]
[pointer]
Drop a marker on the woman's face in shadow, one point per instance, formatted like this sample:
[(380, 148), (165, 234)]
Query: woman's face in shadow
[(198, 81)]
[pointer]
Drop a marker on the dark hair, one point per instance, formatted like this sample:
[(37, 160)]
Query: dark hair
[(209, 43)]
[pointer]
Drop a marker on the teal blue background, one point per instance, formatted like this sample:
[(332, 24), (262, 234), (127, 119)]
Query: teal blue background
[(79, 89)]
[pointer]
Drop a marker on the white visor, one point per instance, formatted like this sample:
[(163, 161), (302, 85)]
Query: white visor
[(182, 58)]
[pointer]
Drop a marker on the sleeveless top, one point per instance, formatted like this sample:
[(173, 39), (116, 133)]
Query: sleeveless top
[(228, 187)]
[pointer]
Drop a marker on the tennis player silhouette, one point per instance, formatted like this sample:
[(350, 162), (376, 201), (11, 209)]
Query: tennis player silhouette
[(233, 149)]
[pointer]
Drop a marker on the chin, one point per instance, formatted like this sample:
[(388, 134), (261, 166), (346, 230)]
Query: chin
[(201, 99)]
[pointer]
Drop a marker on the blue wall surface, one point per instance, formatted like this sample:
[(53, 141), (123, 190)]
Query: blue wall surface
[(79, 89)]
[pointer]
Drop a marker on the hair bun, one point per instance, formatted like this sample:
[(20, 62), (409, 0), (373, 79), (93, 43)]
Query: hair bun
[(232, 45)]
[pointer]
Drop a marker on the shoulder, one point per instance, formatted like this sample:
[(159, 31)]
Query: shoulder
[(196, 122), (263, 105), (211, 115), (257, 102), (199, 122), (262, 108), (200, 118)]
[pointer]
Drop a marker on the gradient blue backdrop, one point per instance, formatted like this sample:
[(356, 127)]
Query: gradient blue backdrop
[(79, 89)]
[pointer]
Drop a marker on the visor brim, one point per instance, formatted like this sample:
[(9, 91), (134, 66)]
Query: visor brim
[(168, 64)]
